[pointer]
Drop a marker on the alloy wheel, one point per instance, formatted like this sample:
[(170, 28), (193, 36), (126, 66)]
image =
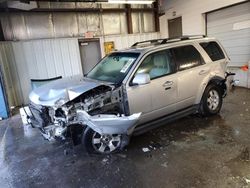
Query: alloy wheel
[(213, 99), (106, 143)]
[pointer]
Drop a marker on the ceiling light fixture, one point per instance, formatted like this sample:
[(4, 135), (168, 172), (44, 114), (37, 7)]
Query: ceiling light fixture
[(131, 1)]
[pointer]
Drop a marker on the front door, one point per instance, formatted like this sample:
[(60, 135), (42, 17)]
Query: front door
[(90, 54), (158, 97)]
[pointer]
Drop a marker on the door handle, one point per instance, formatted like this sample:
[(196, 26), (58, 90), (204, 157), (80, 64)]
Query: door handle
[(203, 72), (168, 84)]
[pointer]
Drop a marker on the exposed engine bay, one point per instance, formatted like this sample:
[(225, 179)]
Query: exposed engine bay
[(101, 108)]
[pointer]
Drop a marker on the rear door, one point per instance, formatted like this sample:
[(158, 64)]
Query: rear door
[(157, 98), (192, 70)]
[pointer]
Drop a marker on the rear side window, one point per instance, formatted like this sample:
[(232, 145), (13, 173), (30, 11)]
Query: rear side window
[(186, 57), (213, 50)]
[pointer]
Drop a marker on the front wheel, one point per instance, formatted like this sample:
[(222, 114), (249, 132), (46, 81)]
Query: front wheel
[(103, 144), (211, 101)]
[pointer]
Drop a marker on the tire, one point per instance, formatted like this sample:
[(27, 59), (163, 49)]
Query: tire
[(211, 101), (100, 144)]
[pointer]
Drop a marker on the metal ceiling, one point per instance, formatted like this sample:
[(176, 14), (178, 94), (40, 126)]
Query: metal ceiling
[(56, 5)]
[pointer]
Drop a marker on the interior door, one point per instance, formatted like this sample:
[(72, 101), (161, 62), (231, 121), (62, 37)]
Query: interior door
[(90, 54), (158, 97), (175, 27), (1, 33)]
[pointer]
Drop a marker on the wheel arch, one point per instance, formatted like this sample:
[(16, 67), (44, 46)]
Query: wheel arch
[(75, 131), (216, 80)]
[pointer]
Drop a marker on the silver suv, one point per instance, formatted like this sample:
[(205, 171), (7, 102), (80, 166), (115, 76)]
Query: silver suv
[(132, 91)]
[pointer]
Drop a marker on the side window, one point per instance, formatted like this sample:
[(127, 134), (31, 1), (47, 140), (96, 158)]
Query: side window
[(157, 64), (213, 50), (187, 57)]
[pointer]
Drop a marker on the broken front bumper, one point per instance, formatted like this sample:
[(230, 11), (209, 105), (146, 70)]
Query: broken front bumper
[(109, 124), (102, 123)]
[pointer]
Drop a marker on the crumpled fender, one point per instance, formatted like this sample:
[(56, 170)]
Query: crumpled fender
[(61, 91), (109, 124)]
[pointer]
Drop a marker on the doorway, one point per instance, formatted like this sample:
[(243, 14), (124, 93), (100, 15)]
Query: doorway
[(90, 53), (1, 32), (175, 27)]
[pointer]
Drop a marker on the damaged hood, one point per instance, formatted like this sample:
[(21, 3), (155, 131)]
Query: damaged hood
[(61, 91)]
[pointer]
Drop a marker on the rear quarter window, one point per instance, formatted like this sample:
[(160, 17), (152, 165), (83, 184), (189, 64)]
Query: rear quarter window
[(213, 50)]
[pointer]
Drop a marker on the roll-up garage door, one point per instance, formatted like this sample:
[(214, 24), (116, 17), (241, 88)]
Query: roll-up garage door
[(232, 27)]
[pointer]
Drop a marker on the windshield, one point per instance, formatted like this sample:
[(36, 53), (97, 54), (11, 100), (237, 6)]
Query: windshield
[(114, 67)]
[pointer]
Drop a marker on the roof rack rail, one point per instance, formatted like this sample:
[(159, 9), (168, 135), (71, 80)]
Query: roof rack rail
[(148, 41), (169, 40), (185, 37)]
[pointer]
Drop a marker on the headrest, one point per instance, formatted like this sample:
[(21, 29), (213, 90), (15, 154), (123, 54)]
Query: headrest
[(159, 61)]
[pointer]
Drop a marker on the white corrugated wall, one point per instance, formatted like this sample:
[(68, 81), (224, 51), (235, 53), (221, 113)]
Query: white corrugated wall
[(38, 59), (125, 41), (47, 58)]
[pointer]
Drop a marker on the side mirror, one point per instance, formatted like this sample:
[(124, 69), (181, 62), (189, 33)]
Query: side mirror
[(141, 79)]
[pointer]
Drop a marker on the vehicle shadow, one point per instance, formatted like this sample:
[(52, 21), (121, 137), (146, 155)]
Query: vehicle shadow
[(176, 131)]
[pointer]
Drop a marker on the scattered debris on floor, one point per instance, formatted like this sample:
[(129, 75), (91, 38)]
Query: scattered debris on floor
[(165, 164), (155, 145), (105, 161), (247, 180), (200, 134), (145, 150)]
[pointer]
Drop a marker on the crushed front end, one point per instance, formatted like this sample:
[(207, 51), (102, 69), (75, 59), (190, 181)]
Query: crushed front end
[(101, 108)]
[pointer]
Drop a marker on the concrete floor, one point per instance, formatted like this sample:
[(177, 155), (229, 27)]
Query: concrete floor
[(192, 152)]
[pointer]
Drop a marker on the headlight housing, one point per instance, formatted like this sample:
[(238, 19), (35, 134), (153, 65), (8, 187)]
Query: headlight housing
[(59, 103)]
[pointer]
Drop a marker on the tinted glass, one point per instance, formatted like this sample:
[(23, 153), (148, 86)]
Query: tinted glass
[(157, 64), (186, 57), (114, 67), (213, 50)]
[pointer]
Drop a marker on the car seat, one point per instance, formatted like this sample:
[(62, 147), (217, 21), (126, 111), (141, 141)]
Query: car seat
[(161, 66)]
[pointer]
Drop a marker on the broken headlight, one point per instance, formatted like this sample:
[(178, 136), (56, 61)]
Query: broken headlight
[(59, 103)]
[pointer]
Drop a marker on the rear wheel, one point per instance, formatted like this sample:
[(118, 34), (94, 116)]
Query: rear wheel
[(103, 144), (211, 101)]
